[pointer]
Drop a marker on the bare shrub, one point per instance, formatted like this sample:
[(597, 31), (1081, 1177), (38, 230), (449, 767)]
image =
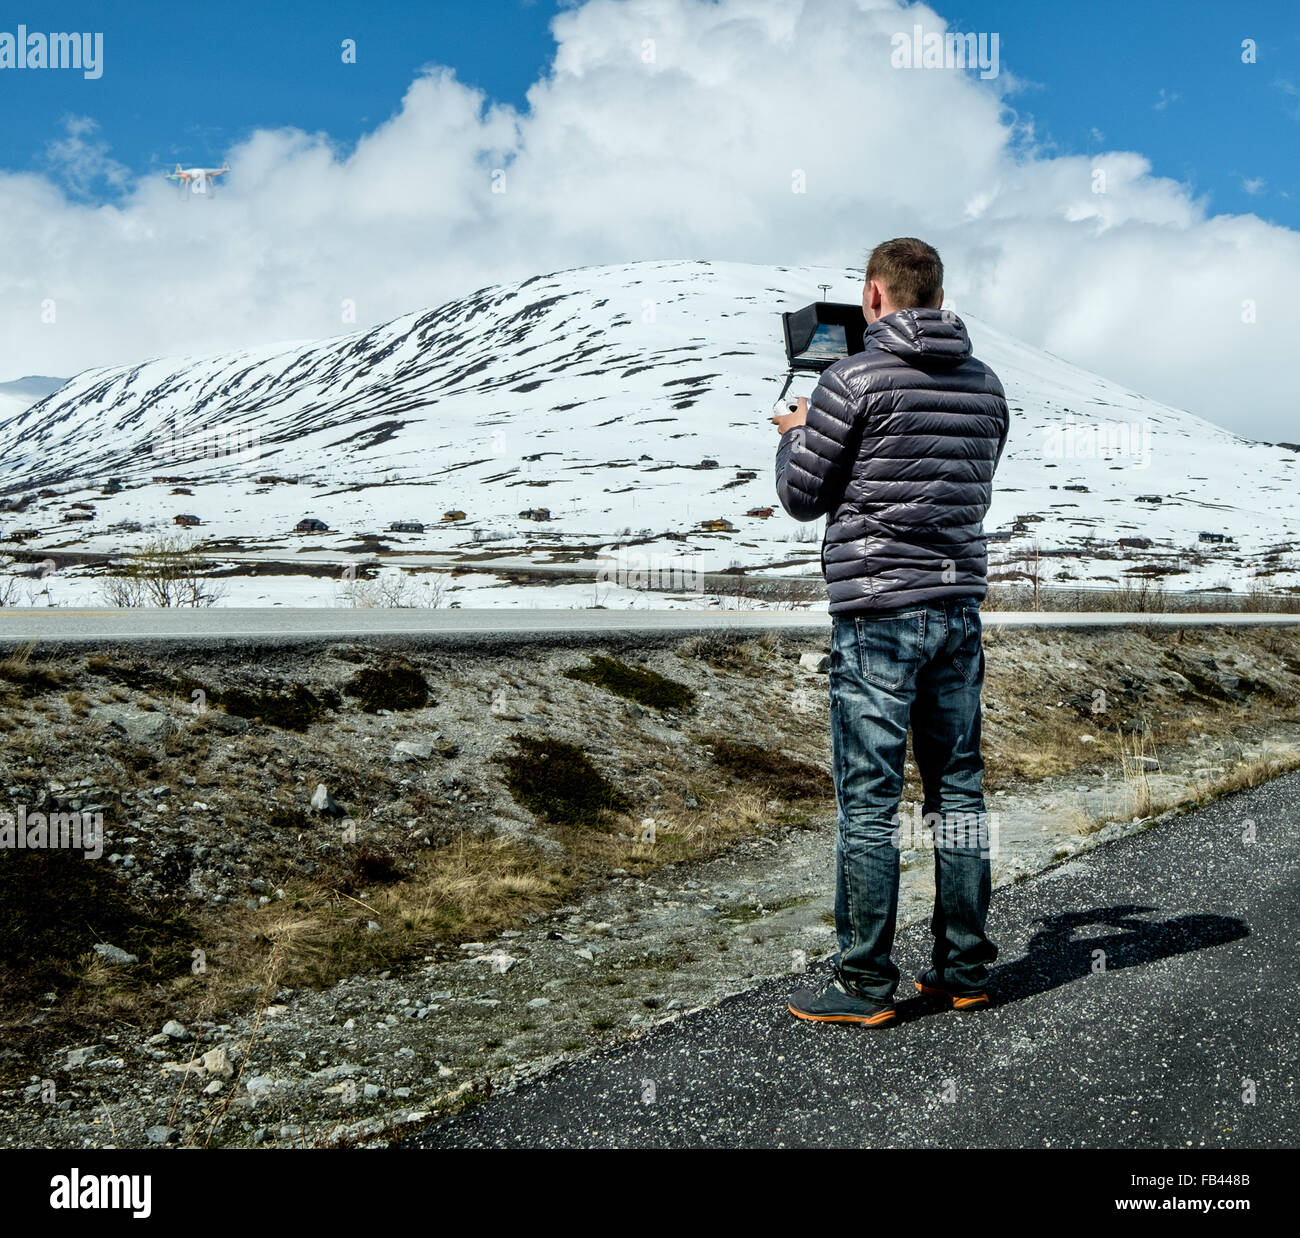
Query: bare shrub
[(169, 571)]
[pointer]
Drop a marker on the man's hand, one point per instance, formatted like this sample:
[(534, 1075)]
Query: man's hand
[(784, 419)]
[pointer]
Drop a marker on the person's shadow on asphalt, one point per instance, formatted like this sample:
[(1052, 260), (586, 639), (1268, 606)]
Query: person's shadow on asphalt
[(1054, 956)]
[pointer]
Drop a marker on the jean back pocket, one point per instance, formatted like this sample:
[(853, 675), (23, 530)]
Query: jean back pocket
[(891, 647)]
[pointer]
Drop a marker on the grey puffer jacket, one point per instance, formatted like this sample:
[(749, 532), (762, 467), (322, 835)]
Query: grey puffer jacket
[(900, 447)]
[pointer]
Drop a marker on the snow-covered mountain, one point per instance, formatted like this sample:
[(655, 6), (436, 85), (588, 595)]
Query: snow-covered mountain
[(618, 398), (21, 393)]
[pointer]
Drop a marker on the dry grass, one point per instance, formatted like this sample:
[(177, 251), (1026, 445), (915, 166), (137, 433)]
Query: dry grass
[(1245, 774), (1133, 750), (319, 933)]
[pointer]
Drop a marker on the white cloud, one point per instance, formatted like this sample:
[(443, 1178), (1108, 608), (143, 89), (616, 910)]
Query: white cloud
[(79, 160), (671, 128)]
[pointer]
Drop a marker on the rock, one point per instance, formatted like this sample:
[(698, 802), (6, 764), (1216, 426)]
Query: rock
[(78, 1058), (217, 1062), (114, 954), (538, 1002), (412, 749), (139, 726), (158, 1134), (323, 802), (501, 962), (176, 1031), (213, 1088), (226, 724), (818, 662)]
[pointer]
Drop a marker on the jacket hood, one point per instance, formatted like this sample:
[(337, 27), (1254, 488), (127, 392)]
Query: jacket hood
[(925, 338)]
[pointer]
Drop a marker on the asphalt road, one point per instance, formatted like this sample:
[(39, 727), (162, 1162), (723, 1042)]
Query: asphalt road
[(1200, 933), (287, 626)]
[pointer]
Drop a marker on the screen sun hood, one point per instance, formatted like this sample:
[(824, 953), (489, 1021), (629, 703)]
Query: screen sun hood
[(821, 333)]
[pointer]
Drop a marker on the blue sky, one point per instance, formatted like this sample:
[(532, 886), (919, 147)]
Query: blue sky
[(185, 82), (1126, 188)]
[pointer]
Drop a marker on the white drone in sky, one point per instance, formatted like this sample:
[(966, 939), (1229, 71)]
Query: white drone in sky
[(197, 180)]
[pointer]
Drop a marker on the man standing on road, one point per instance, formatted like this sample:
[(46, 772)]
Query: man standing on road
[(897, 448)]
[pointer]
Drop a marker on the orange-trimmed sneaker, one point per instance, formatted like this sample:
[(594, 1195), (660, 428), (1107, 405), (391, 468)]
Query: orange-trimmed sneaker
[(929, 984), (835, 1004)]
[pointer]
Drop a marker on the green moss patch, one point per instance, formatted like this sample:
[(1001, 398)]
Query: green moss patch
[(394, 685), (292, 710), (557, 781), (779, 775), (56, 906), (634, 682)]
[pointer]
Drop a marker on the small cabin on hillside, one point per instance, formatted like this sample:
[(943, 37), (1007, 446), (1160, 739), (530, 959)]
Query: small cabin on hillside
[(718, 525), (310, 524), (184, 518), (455, 514), (406, 526)]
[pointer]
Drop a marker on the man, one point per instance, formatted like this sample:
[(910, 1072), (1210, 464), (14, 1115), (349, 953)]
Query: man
[(897, 448)]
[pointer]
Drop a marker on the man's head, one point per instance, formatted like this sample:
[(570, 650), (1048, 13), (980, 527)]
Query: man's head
[(902, 274)]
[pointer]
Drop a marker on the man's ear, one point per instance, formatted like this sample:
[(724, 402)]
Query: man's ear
[(939, 303)]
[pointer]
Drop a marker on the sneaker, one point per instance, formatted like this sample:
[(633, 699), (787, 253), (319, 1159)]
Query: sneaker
[(931, 985), (835, 1004)]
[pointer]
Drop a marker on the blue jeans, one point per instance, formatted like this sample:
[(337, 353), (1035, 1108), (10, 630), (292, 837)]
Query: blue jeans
[(924, 666)]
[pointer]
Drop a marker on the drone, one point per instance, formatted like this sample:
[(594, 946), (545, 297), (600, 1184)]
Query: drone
[(197, 180)]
